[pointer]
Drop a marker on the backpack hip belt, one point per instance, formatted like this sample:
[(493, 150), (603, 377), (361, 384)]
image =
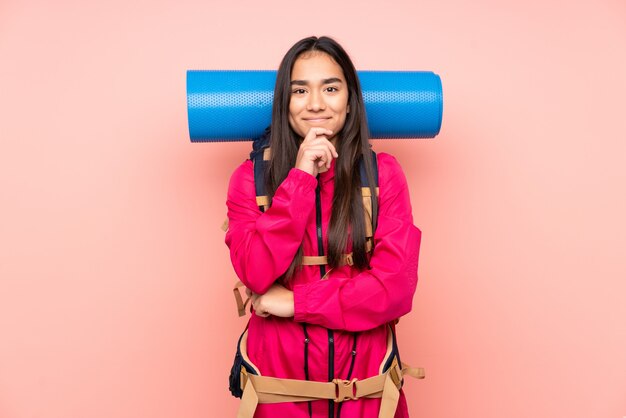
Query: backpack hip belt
[(264, 389)]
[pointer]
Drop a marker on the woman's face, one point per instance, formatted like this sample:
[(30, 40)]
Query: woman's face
[(319, 94)]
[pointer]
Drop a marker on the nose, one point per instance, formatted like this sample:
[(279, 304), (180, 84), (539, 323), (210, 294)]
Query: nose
[(316, 102)]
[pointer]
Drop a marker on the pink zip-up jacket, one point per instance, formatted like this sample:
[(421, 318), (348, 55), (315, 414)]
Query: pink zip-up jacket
[(329, 314)]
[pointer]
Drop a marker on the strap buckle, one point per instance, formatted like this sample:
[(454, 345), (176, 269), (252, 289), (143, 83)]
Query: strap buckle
[(345, 390)]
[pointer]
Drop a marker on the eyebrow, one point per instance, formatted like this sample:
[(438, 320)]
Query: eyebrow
[(324, 81)]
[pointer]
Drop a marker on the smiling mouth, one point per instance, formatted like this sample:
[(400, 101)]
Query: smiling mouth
[(316, 119)]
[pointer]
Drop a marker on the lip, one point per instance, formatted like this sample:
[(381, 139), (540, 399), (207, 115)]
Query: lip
[(316, 119)]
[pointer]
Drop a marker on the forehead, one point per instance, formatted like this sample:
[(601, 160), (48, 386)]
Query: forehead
[(315, 66)]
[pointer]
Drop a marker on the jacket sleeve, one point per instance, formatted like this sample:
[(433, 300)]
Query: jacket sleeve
[(262, 245), (384, 292)]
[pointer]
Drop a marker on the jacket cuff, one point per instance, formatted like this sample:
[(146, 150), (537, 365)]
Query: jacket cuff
[(296, 196), (303, 177), (299, 302)]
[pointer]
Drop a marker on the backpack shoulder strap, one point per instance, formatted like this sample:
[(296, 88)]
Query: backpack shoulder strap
[(260, 155), (371, 209)]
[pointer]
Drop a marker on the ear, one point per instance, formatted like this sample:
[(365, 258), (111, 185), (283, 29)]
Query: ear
[(348, 109)]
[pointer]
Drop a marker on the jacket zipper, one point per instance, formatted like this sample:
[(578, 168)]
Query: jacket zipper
[(331, 371), (318, 221), (320, 251), (349, 371), (306, 361)]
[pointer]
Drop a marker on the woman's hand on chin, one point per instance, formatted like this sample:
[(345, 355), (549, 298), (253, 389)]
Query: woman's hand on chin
[(316, 151)]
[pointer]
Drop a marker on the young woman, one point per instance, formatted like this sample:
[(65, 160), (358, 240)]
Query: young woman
[(330, 321)]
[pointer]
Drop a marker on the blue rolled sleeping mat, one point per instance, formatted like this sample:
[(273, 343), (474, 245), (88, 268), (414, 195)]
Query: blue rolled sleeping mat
[(228, 105)]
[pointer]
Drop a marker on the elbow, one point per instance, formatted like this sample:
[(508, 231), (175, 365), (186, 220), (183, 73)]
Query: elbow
[(256, 275), (382, 314), (254, 281), (260, 288), (406, 306), (402, 305)]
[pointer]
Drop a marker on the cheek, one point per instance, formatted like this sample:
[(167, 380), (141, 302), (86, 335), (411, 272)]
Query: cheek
[(342, 105), (293, 125), (343, 109), (294, 108), (291, 109)]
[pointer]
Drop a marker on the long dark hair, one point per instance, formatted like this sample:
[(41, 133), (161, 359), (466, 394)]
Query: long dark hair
[(347, 217)]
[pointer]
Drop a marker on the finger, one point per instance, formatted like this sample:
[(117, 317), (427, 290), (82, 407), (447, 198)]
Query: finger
[(321, 131), (330, 147), (329, 155), (317, 153), (314, 133), (323, 141), (258, 309), (324, 152), (333, 149)]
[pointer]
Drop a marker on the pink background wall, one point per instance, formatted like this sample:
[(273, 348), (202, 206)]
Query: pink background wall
[(114, 279)]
